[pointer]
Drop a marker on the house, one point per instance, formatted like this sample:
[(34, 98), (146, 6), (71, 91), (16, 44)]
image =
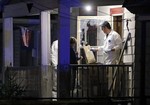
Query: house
[(38, 14)]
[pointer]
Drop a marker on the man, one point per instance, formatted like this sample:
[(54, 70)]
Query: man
[(111, 49), (54, 61), (112, 44)]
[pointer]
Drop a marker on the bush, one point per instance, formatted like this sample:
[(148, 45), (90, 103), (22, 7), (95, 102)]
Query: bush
[(11, 88)]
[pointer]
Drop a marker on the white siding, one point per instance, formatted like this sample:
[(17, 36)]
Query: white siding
[(129, 53)]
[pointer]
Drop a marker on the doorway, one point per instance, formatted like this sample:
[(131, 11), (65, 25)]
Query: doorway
[(117, 24)]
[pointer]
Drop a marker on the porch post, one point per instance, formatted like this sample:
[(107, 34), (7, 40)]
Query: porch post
[(8, 41), (143, 64), (64, 48), (45, 37), (46, 81)]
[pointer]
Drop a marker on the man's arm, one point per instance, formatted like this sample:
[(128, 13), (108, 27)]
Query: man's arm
[(118, 42), (97, 48)]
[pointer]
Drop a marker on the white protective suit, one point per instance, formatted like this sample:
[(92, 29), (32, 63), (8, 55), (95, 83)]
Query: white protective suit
[(54, 61), (112, 41), (54, 53)]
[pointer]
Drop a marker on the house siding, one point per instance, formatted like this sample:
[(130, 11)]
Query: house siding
[(129, 52)]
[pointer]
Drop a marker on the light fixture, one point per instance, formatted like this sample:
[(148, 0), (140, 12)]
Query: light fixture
[(29, 6), (88, 8)]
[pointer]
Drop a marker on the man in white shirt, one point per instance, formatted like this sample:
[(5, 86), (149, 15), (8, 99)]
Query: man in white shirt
[(111, 49), (112, 44), (54, 61)]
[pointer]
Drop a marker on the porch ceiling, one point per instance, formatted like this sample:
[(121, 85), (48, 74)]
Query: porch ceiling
[(54, 3), (47, 4), (103, 2)]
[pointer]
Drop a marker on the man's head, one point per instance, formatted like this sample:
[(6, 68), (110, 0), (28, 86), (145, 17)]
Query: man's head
[(106, 27)]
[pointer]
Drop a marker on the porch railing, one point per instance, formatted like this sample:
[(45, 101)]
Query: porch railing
[(92, 81)]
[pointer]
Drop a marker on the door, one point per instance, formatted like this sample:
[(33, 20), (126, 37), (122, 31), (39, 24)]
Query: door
[(89, 32), (117, 24)]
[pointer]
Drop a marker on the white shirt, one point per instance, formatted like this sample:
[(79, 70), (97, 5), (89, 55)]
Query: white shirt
[(54, 53), (112, 41)]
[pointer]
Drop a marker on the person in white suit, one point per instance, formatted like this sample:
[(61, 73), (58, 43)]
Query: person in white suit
[(54, 61), (111, 49), (112, 44)]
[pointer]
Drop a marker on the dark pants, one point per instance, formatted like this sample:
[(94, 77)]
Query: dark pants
[(72, 76)]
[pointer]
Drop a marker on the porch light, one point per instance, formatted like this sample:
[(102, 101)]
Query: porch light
[(88, 8)]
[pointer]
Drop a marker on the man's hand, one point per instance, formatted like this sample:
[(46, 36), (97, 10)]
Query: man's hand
[(93, 49), (108, 50), (81, 57), (112, 49)]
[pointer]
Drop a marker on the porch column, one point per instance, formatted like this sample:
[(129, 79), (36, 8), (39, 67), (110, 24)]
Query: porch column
[(45, 37), (46, 81), (142, 58), (8, 41), (64, 46)]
